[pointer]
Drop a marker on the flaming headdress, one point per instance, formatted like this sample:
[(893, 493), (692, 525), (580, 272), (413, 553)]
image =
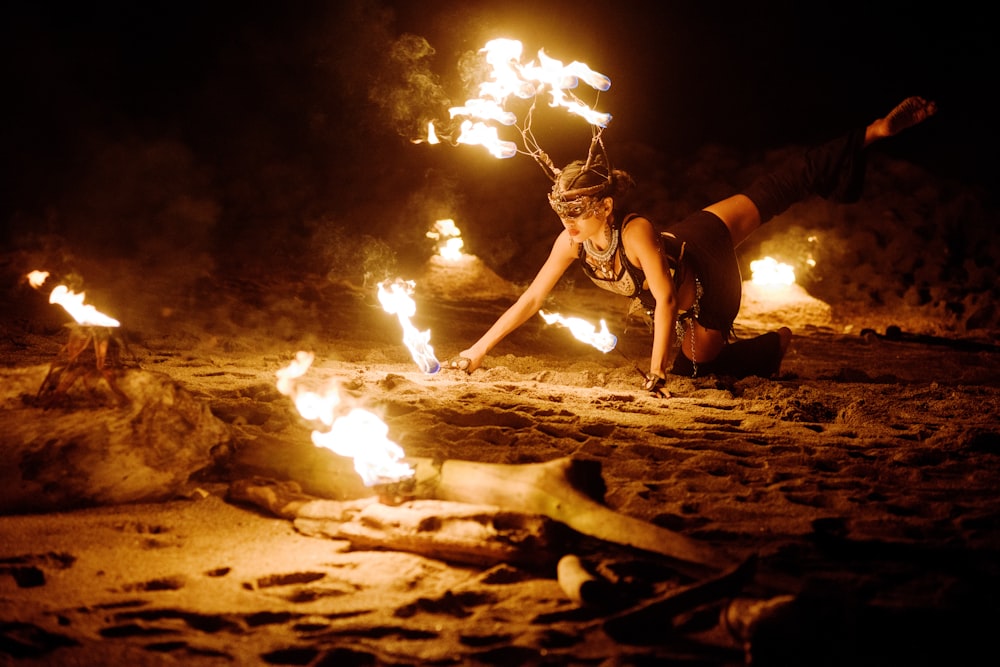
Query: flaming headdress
[(507, 77)]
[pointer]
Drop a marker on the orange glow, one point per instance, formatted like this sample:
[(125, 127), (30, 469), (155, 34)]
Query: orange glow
[(449, 239), (37, 278), (582, 330), (769, 271), (481, 134), (395, 299), (73, 303), (508, 77), (348, 431)]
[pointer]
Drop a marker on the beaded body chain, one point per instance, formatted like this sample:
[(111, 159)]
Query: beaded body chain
[(691, 314)]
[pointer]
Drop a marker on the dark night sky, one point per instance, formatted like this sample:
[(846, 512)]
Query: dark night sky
[(211, 124)]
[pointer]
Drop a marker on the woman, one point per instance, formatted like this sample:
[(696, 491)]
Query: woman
[(687, 278)]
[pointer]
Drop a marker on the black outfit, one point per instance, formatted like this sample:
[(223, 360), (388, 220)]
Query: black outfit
[(701, 244)]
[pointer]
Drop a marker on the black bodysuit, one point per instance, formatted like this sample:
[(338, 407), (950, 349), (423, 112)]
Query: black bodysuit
[(701, 245)]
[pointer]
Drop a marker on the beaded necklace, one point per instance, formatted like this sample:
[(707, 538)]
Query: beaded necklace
[(605, 259)]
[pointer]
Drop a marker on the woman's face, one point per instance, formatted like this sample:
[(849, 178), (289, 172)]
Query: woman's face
[(584, 217)]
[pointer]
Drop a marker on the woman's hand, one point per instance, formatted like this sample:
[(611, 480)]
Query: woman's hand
[(656, 385), (467, 361)]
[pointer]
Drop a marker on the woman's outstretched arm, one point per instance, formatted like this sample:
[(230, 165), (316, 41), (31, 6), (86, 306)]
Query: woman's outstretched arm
[(560, 258)]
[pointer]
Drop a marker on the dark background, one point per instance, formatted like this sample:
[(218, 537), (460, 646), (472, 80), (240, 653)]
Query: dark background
[(235, 135)]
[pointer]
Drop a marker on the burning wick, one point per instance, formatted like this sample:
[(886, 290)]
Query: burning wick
[(508, 77), (349, 431), (73, 303), (395, 299), (582, 330)]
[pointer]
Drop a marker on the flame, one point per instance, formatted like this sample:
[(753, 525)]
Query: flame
[(448, 236), (768, 271), (37, 278), (72, 302), (508, 77), (349, 431), (395, 299), (582, 330), (481, 134)]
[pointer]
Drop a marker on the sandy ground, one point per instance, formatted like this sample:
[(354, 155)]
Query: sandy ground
[(858, 488)]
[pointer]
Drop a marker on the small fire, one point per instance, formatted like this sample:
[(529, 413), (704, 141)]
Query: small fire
[(348, 431), (582, 330), (481, 134), (72, 302), (431, 134), (508, 77), (395, 299), (449, 239), (769, 271)]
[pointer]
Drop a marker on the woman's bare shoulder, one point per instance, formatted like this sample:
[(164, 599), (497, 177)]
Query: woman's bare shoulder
[(638, 225)]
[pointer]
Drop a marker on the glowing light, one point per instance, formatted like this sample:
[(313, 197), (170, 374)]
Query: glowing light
[(347, 430), (509, 78), (449, 239), (395, 299), (37, 278), (73, 303), (582, 330), (481, 134), (769, 271)]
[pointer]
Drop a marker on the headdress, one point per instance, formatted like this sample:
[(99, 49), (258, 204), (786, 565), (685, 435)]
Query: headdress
[(509, 77)]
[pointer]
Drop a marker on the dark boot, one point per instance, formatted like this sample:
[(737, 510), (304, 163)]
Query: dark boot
[(760, 356)]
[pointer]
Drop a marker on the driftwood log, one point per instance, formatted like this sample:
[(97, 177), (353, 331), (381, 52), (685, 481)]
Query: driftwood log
[(567, 490), (481, 535), (86, 445)]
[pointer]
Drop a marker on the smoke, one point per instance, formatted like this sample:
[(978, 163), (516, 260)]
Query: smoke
[(406, 91)]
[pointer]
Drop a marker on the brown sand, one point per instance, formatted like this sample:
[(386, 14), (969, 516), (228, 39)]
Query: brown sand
[(863, 479)]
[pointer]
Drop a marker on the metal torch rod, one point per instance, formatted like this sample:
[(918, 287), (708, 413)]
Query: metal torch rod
[(634, 365)]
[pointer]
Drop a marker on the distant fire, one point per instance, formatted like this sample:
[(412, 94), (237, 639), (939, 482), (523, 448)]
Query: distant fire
[(72, 302), (449, 239), (93, 331), (394, 295), (584, 331), (347, 430), (769, 271)]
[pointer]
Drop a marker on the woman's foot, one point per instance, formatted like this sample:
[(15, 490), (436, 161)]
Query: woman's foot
[(907, 113)]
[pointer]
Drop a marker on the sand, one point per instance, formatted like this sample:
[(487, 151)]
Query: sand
[(859, 484)]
